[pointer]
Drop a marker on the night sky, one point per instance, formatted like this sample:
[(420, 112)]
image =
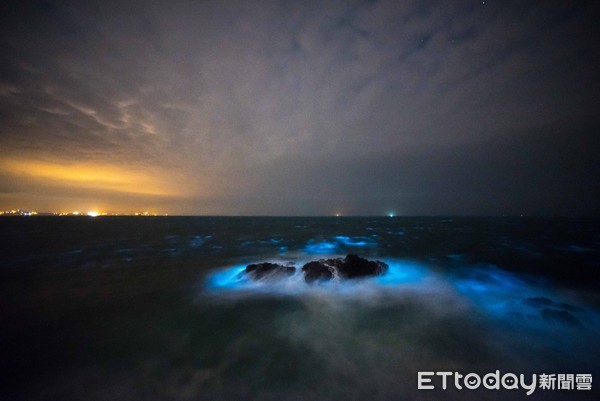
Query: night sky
[(301, 108)]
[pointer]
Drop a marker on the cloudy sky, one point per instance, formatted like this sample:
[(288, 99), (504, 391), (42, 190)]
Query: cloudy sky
[(299, 107)]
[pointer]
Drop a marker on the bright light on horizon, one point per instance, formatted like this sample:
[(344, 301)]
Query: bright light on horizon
[(93, 176), (93, 213)]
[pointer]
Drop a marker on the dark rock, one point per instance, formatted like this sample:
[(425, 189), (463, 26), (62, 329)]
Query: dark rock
[(355, 266), (349, 267), (317, 271), (271, 270)]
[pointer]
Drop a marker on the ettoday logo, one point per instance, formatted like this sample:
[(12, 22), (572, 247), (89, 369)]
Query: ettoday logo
[(472, 381), (508, 381)]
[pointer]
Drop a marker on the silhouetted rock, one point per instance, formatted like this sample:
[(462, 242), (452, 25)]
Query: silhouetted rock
[(354, 266), (351, 266), (317, 271), (272, 270)]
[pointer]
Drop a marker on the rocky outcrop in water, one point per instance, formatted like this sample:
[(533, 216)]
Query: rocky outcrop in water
[(350, 267), (271, 270), (317, 270)]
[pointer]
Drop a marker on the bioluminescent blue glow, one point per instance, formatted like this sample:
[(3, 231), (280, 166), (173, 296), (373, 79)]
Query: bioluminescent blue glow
[(401, 273), (226, 279), (504, 295), (495, 290), (232, 279), (488, 289), (356, 241), (322, 247), (199, 240), (338, 244)]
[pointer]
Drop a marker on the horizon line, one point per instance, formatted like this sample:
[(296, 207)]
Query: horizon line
[(85, 215)]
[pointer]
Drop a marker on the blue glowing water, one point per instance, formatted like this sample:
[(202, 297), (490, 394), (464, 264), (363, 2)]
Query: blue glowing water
[(498, 294), (156, 308), (232, 279)]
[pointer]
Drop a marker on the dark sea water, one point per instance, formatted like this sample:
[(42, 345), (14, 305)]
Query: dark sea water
[(152, 308)]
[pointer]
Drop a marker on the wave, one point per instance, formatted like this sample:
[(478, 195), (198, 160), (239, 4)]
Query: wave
[(485, 290)]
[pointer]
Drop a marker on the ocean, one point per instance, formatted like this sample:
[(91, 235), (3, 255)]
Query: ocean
[(155, 308)]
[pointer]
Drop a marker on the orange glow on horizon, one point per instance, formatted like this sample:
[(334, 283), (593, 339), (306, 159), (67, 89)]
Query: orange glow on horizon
[(93, 176)]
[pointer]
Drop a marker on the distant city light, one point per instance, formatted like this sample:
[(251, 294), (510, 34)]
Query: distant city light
[(17, 212), (91, 213)]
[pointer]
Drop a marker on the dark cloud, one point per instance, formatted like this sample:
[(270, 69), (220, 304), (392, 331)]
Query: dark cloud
[(305, 108)]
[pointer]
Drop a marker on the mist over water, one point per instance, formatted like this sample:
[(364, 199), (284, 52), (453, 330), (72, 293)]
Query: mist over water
[(232, 280), (156, 309), (417, 318)]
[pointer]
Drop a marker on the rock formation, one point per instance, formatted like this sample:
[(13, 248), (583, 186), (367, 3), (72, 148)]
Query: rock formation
[(270, 270), (350, 267)]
